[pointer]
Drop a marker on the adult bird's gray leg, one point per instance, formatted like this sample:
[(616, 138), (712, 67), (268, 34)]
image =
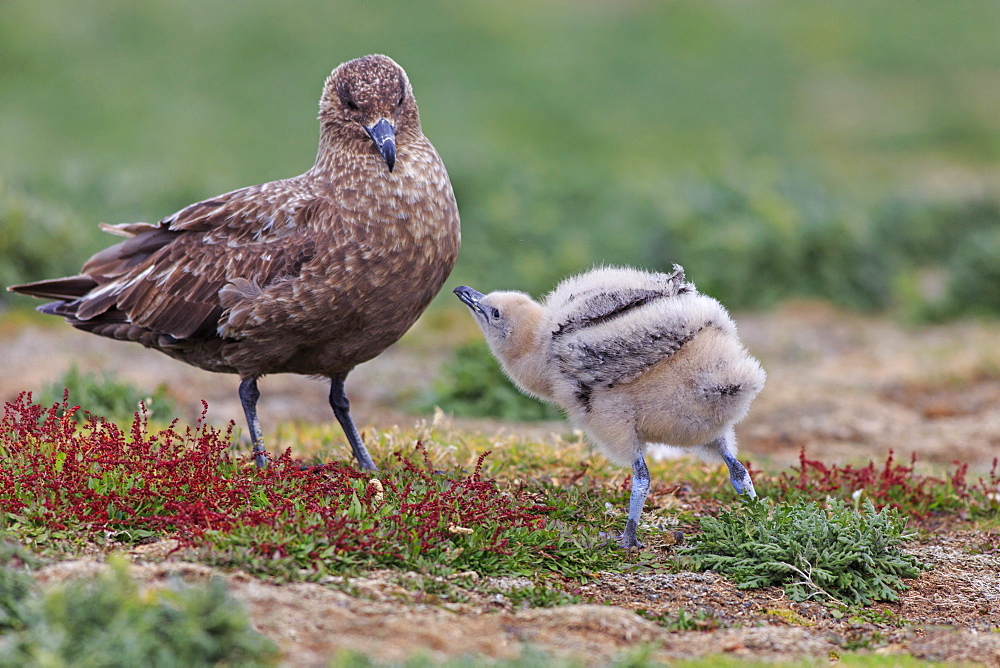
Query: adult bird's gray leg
[(249, 394), (341, 408), (640, 488)]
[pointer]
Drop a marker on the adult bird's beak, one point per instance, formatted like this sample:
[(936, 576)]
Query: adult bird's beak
[(470, 298), (384, 135)]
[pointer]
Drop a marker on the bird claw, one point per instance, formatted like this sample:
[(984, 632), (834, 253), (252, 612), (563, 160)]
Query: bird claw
[(627, 539), (628, 543)]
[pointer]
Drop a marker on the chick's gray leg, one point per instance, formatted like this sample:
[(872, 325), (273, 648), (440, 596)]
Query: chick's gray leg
[(640, 488), (738, 475), (341, 408), (249, 394)]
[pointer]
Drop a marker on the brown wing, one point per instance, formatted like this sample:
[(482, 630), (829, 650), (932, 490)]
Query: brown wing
[(166, 278)]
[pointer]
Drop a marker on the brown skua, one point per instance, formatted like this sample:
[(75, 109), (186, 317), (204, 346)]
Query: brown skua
[(313, 275)]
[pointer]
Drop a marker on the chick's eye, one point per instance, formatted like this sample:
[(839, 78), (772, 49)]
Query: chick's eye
[(351, 104), (495, 313)]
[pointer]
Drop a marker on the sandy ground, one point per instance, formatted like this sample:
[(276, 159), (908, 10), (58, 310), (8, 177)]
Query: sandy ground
[(846, 387)]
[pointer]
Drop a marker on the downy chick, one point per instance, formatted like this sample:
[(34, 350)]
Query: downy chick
[(633, 358)]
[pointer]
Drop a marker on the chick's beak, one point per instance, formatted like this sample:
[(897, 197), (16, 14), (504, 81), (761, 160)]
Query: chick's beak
[(384, 135), (470, 298)]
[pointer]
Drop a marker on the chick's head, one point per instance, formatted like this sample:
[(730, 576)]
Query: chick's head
[(508, 319)]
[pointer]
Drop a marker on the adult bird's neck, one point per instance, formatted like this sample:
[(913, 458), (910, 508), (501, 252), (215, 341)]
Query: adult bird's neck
[(339, 155)]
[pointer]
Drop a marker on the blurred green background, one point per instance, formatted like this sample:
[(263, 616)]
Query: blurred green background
[(847, 151)]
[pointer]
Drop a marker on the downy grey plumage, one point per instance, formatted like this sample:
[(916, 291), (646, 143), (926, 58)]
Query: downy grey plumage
[(633, 358)]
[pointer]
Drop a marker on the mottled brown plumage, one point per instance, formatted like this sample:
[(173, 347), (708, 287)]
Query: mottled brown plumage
[(312, 275)]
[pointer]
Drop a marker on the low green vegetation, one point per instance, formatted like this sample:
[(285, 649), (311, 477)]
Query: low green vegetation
[(682, 620), (109, 621), (105, 395), (441, 504), (526, 524), (64, 483), (833, 552), (539, 596), (16, 586), (891, 484), (30, 228)]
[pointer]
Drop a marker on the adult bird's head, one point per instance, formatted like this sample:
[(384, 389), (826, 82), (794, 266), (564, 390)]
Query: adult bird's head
[(368, 108)]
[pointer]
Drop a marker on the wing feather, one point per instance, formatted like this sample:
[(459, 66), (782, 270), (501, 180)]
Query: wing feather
[(609, 293), (616, 335), (167, 277)]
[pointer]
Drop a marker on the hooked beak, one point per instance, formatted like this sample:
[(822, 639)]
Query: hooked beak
[(470, 298), (384, 136)]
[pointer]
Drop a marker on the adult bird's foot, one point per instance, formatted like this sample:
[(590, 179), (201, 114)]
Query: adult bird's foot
[(627, 539), (629, 542)]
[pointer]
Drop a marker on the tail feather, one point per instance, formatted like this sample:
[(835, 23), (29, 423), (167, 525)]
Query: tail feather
[(69, 288), (54, 308)]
